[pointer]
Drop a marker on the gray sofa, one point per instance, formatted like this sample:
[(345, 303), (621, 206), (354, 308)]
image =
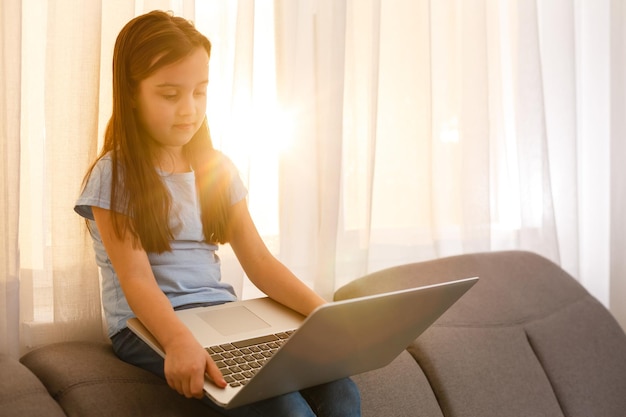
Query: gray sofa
[(527, 340)]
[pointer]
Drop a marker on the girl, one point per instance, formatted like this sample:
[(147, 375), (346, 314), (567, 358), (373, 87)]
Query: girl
[(158, 200)]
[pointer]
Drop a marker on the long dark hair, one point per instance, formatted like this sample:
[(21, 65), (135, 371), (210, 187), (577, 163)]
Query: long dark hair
[(145, 44)]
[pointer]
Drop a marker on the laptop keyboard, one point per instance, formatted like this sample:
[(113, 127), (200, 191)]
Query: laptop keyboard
[(239, 361)]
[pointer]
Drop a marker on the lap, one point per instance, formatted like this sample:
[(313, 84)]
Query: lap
[(337, 398)]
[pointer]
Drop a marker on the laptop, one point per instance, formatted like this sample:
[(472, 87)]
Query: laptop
[(265, 349)]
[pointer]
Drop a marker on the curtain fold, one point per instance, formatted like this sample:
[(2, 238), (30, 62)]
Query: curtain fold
[(359, 139), (558, 75), (10, 96), (618, 150), (537, 215), (329, 29), (71, 130), (369, 133)]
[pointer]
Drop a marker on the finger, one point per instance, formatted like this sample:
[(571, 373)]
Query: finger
[(179, 383), (196, 385), (175, 384), (214, 374), (189, 387), (193, 383)]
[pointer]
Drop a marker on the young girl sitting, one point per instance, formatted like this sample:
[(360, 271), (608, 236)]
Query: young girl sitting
[(159, 199)]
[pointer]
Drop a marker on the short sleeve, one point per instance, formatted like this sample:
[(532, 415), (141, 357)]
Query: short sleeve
[(238, 190), (97, 190)]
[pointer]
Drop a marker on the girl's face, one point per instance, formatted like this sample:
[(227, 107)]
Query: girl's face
[(171, 103)]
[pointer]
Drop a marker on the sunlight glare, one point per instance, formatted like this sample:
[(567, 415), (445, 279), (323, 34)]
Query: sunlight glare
[(261, 132)]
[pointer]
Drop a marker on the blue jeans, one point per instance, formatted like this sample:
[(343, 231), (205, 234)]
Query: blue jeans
[(335, 399)]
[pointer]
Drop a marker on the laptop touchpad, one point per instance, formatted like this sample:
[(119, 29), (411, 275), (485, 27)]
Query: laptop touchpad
[(233, 320)]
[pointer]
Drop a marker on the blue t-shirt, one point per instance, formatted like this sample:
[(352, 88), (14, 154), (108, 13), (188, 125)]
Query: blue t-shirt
[(190, 273)]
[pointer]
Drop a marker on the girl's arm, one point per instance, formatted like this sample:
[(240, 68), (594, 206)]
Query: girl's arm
[(185, 360), (263, 269)]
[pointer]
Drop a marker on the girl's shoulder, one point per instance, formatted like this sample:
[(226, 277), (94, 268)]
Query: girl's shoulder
[(102, 168), (227, 162), (100, 175), (215, 163), (105, 160), (237, 187)]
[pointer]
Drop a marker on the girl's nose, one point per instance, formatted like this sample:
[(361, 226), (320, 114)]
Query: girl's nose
[(187, 106)]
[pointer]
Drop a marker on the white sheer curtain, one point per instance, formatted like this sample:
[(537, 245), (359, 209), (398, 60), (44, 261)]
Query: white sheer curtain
[(370, 133), (432, 128)]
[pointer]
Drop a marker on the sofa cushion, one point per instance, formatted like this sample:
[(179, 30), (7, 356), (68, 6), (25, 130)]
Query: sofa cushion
[(87, 379), (583, 352), (22, 394), (400, 390), (485, 372)]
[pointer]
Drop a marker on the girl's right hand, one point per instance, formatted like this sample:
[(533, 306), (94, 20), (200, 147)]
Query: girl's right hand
[(186, 364)]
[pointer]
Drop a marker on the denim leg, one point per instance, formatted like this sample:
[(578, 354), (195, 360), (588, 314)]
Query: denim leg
[(339, 398), (335, 399), (286, 405), (130, 348)]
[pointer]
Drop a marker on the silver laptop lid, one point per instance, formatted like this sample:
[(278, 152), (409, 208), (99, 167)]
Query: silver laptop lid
[(345, 338)]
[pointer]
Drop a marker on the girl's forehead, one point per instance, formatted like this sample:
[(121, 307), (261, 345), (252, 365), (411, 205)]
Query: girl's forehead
[(191, 70)]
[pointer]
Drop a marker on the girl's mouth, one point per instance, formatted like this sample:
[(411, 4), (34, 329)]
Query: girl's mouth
[(184, 126)]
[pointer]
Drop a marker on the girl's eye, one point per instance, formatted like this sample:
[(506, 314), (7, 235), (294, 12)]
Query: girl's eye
[(169, 96), (200, 93)]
